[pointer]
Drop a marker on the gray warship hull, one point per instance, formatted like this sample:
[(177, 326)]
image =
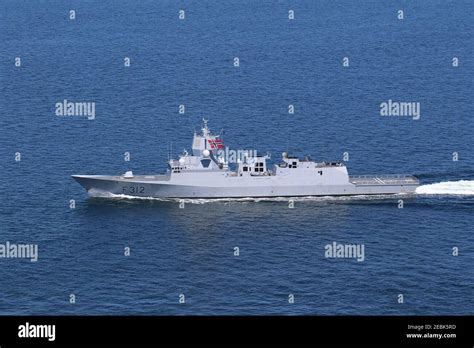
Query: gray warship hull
[(162, 186)]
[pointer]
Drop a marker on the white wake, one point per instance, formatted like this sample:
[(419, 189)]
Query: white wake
[(103, 194), (461, 188), (458, 188)]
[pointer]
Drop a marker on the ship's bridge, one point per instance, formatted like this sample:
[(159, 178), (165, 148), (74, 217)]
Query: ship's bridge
[(194, 163)]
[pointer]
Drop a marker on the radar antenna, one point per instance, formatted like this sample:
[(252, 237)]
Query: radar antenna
[(205, 130)]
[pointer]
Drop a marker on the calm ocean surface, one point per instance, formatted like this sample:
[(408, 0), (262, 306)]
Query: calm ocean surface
[(190, 251)]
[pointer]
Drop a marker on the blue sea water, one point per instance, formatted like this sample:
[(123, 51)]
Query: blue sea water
[(190, 251)]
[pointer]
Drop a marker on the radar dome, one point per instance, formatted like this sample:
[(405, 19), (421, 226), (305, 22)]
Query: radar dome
[(206, 153)]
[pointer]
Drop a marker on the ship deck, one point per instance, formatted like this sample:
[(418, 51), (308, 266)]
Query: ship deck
[(158, 177), (383, 180)]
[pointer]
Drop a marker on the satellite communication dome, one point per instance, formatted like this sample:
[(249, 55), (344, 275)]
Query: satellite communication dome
[(206, 153)]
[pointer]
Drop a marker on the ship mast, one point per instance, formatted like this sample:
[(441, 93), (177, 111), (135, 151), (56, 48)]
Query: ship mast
[(205, 129)]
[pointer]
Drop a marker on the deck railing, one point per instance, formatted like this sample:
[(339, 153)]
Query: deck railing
[(385, 179), (387, 176)]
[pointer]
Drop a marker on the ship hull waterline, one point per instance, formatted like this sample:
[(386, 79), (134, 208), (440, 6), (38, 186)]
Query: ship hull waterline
[(162, 187)]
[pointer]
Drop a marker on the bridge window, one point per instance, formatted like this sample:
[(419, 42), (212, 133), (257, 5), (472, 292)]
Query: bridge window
[(246, 169)]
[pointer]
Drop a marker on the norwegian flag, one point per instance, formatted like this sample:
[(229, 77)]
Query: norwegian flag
[(215, 143)]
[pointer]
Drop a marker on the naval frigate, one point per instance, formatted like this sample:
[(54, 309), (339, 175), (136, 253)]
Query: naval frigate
[(206, 174)]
